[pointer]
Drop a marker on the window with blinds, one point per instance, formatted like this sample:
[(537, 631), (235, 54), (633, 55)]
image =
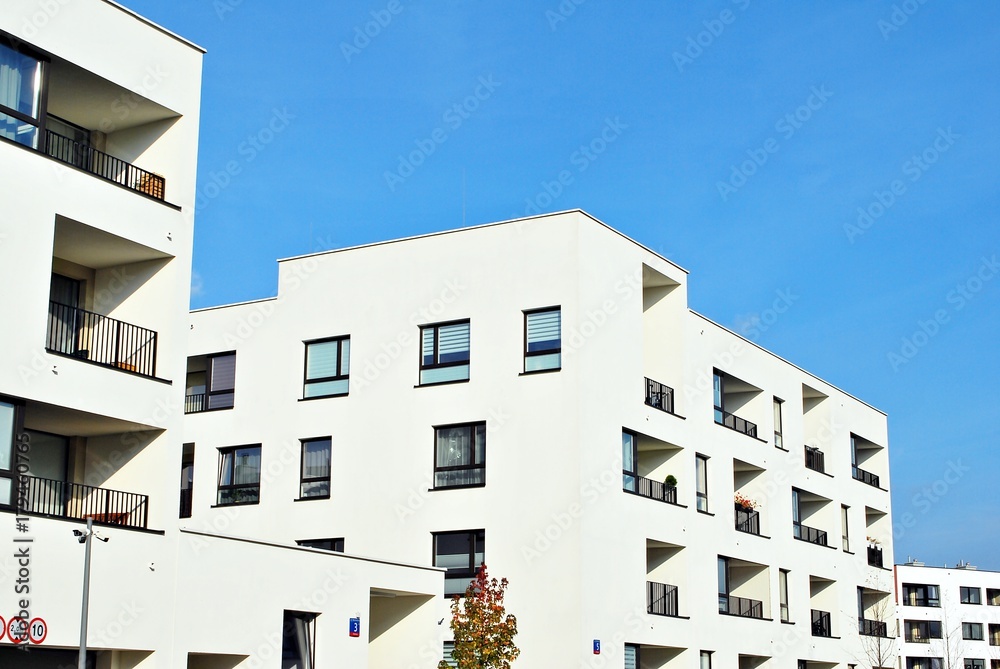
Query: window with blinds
[(542, 340), (221, 392), (315, 475), (328, 367), (631, 656), (444, 353)]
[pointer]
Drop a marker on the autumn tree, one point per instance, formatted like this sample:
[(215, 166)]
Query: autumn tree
[(484, 632)]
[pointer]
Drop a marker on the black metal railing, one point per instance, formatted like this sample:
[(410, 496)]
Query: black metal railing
[(815, 459), (914, 637), (821, 623), (62, 499), (100, 339), (741, 606), (187, 496), (874, 556), (810, 534), (195, 403), (101, 164), (661, 599), (747, 520), (865, 477), (644, 487), (659, 396), (734, 422), (873, 627)]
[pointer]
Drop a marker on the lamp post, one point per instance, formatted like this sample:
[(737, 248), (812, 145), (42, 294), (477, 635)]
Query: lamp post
[(84, 537)]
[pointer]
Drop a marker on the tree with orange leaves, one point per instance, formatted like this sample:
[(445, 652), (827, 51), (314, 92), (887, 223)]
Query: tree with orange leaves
[(484, 631)]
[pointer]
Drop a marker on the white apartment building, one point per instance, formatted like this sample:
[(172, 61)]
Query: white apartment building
[(949, 618), (536, 394), (98, 145)]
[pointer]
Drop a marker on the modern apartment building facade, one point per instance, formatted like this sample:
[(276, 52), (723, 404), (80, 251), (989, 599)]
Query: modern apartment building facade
[(98, 145), (536, 394), (949, 618)]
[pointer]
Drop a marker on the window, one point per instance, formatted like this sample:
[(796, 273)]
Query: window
[(701, 481), (993, 596), (336, 545), (919, 594), (315, 474), (921, 631), (631, 656), (717, 397), (460, 456), (974, 664), (777, 423), (8, 423), (542, 340), (211, 382), (845, 538), (630, 461), (187, 480), (328, 367), (444, 353), (239, 475), (970, 595), (783, 593), (924, 663), (994, 634), (298, 640), (20, 95), (706, 659), (448, 654), (460, 553), (972, 631)]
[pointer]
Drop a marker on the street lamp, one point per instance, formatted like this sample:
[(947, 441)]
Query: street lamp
[(84, 537)]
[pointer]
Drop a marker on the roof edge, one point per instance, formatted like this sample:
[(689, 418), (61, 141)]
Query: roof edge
[(155, 25)]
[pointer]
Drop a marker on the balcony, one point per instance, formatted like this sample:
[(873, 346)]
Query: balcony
[(810, 534), (659, 396), (661, 599), (747, 520), (195, 403), (875, 556), (643, 487), (103, 165), (62, 499), (872, 628), (741, 606), (815, 459), (734, 422), (865, 477), (821, 623), (101, 340), (914, 637)]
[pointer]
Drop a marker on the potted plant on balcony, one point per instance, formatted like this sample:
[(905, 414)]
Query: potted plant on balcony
[(744, 503), (670, 481)]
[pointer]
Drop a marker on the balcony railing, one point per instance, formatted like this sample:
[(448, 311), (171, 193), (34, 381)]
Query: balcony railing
[(741, 606), (661, 599), (187, 495), (874, 556), (735, 423), (810, 534), (865, 477), (195, 403), (747, 520), (659, 396), (639, 485), (101, 339), (815, 459), (821, 623), (916, 638), (101, 164), (62, 499), (872, 628)]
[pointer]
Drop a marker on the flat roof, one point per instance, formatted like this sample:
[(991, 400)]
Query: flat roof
[(155, 26)]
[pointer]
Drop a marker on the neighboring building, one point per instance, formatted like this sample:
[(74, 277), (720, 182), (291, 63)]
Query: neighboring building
[(521, 393), (949, 618), (98, 147)]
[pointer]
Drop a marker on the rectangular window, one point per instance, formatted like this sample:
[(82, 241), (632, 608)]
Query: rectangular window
[(717, 398), (994, 634), (542, 340), (920, 594), (315, 473), (993, 596), (975, 663), (444, 353), (221, 381), (298, 640), (21, 76), (783, 593), (460, 456), (924, 663), (448, 654), (8, 414), (187, 480), (845, 537), (701, 481), (328, 367), (972, 631), (631, 656), (461, 554), (777, 423), (336, 545), (970, 595), (921, 631), (723, 574), (630, 461), (706, 659), (239, 475)]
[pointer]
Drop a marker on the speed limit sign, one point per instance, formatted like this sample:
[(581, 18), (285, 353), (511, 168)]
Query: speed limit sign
[(38, 629)]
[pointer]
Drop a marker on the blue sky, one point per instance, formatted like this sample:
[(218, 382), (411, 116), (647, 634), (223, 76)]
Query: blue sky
[(844, 152)]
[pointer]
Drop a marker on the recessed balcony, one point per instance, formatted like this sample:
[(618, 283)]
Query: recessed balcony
[(64, 499), (659, 396), (821, 623), (809, 534), (860, 474), (873, 628), (661, 599), (101, 340)]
